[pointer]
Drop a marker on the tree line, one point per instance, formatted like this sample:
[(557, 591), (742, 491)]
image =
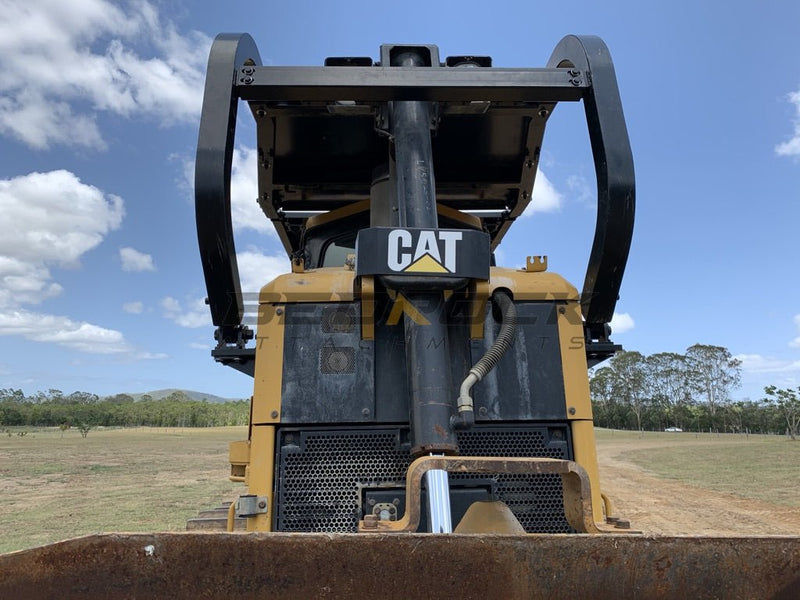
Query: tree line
[(690, 391), (84, 410)]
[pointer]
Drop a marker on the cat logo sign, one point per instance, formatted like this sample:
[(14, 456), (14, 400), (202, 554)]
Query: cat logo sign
[(411, 251), (426, 256)]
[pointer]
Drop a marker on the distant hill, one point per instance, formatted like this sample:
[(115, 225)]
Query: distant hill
[(159, 394)]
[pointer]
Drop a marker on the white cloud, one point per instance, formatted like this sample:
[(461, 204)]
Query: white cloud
[(134, 308), (63, 331), (792, 147), (795, 343), (151, 356), (25, 282), (581, 189), (621, 323), (545, 197), (48, 219), (757, 363), (51, 220), (195, 315), (245, 211), (257, 269), (61, 61), (133, 260)]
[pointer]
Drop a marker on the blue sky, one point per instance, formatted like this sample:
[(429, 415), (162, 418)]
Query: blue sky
[(100, 282)]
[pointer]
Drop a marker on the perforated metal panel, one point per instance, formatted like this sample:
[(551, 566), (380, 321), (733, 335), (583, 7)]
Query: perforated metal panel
[(338, 319), (536, 500), (321, 474), (334, 360)]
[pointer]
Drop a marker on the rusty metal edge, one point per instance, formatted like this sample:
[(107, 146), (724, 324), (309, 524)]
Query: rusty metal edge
[(275, 565)]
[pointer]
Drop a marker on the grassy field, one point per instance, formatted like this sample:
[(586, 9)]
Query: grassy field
[(55, 486), (142, 479), (762, 467)]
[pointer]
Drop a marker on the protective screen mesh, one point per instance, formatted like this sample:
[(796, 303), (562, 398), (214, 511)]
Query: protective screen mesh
[(321, 473)]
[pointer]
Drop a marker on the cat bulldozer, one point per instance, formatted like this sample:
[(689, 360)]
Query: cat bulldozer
[(421, 424)]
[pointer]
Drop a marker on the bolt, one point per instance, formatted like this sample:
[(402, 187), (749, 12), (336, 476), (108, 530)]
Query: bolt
[(370, 521), (572, 410), (365, 412), (247, 80), (483, 411), (261, 113), (396, 501), (573, 72), (575, 82), (371, 501), (529, 164), (543, 112), (262, 504), (562, 310), (278, 311), (251, 70), (274, 414)]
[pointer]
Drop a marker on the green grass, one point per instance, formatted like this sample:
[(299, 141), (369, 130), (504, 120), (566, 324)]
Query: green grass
[(55, 487), (760, 467)]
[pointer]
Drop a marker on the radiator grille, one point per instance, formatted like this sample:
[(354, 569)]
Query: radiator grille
[(321, 473), (536, 500)]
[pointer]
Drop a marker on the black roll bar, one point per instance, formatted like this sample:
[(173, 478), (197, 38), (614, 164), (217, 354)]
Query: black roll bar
[(579, 68)]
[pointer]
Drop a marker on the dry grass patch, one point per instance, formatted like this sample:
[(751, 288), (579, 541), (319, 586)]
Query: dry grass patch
[(55, 487), (141, 479), (761, 467)]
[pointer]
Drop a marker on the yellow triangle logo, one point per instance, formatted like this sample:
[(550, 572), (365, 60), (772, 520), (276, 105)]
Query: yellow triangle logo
[(425, 264)]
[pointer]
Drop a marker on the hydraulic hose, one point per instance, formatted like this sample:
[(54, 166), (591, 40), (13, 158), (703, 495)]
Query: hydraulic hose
[(488, 361)]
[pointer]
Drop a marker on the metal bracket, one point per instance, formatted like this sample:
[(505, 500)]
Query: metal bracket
[(536, 264), (250, 505), (577, 489)]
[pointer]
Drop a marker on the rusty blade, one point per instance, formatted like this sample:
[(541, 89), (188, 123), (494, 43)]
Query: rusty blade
[(276, 565)]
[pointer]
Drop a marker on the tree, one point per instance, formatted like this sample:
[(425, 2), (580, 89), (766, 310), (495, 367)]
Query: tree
[(622, 382), (714, 373), (12, 395), (788, 402), (83, 398), (601, 386), (669, 382), (85, 427), (120, 399)]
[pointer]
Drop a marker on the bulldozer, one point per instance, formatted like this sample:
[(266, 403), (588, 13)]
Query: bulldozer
[(421, 423)]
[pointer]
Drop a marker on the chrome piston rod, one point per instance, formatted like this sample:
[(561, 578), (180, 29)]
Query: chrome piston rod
[(438, 487)]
